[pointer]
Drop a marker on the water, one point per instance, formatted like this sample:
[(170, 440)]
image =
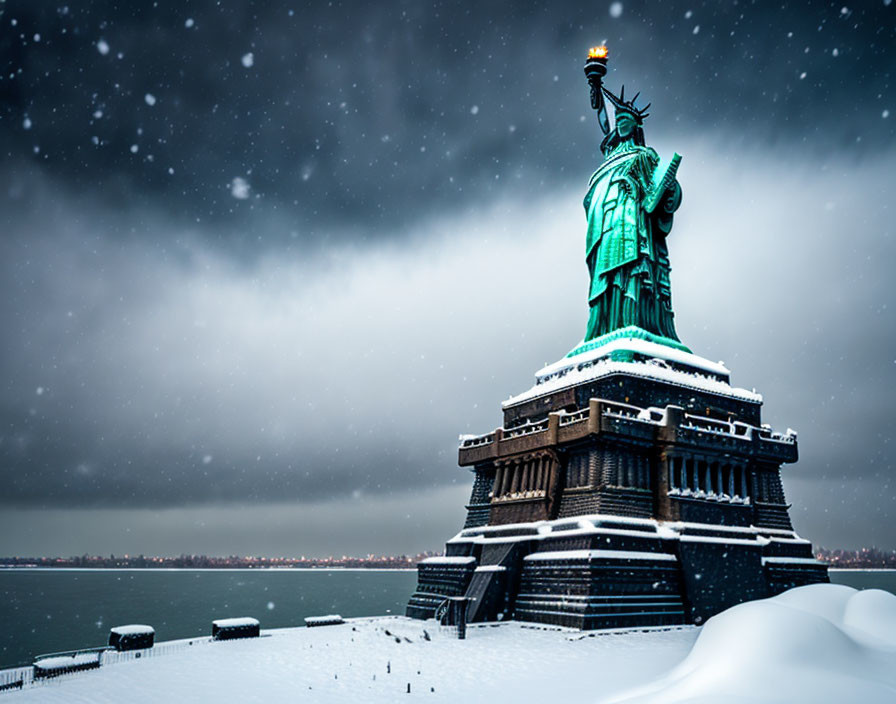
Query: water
[(43, 611), (865, 579)]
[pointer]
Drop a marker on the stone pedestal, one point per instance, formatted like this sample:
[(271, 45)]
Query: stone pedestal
[(632, 485)]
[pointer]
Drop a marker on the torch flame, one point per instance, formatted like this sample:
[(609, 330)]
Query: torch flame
[(597, 52)]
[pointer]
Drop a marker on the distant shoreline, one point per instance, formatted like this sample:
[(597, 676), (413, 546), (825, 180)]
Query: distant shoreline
[(37, 568)]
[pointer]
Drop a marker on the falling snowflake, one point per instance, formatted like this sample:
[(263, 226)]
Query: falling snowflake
[(102, 47), (239, 188), (248, 59), (615, 9), (150, 99), (474, 110)]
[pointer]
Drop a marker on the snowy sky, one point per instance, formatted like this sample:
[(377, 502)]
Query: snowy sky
[(260, 263)]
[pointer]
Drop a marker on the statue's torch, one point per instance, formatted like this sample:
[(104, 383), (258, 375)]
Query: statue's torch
[(595, 70)]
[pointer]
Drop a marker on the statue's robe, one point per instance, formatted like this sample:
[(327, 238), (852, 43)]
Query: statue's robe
[(625, 247)]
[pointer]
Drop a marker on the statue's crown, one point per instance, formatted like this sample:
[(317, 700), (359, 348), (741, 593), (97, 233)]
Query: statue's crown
[(623, 105)]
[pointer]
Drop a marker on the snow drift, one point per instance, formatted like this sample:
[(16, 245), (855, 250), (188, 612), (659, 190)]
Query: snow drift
[(819, 643)]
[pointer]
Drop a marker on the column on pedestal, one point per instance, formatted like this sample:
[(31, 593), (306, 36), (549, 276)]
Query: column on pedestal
[(499, 478)]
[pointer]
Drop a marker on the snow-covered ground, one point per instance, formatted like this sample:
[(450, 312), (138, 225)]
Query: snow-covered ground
[(820, 643), (374, 660), (823, 643)]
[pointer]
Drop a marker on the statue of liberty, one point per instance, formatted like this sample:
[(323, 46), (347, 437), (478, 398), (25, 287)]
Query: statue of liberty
[(629, 206)]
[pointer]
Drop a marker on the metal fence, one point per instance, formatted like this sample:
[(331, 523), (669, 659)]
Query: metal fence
[(14, 678), (111, 657)]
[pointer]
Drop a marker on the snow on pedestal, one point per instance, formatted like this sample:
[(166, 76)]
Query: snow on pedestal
[(661, 363)]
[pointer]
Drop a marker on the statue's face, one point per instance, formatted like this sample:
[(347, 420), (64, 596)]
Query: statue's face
[(625, 125)]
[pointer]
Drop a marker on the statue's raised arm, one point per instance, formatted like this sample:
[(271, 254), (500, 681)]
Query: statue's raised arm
[(630, 204)]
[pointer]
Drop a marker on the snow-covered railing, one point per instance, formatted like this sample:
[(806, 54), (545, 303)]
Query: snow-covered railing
[(112, 657), (577, 417), (620, 410), (708, 495), (708, 425), (610, 409), (468, 441), (16, 677), (766, 433), (728, 433), (61, 664), (527, 494), (527, 429)]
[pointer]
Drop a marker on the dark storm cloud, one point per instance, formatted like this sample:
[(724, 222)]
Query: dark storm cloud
[(401, 523), (371, 113), (146, 376), (404, 261)]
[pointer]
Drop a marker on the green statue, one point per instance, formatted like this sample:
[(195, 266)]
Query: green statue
[(630, 203)]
